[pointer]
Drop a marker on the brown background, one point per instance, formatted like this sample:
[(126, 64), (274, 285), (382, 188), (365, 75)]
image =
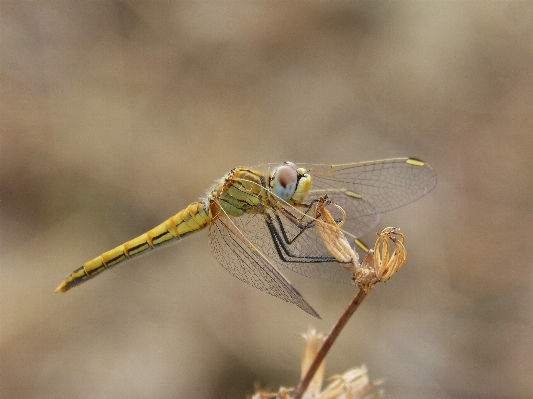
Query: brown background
[(115, 115)]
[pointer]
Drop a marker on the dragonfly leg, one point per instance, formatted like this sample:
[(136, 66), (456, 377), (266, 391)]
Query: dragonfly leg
[(282, 243)]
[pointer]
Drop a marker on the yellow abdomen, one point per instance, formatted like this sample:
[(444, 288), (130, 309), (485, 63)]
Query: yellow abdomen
[(189, 220)]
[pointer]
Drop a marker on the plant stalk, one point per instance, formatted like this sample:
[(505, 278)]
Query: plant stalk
[(329, 341)]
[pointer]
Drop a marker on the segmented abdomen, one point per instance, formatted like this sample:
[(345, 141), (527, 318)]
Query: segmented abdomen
[(189, 220)]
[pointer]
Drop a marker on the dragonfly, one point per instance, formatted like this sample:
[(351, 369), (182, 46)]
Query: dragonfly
[(261, 220)]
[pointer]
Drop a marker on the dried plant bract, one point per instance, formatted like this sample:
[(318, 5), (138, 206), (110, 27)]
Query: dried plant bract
[(380, 264), (352, 384)]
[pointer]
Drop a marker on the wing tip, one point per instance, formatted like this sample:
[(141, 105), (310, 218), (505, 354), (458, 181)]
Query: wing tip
[(303, 304), (311, 311)]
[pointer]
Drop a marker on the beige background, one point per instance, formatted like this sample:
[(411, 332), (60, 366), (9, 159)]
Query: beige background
[(115, 115)]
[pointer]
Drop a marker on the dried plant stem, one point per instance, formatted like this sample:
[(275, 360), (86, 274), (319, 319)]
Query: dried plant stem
[(329, 341)]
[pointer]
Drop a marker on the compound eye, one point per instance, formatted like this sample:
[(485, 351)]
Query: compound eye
[(285, 181), (291, 164)]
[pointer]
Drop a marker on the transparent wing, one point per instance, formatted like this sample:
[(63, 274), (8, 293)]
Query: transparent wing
[(292, 244), (239, 256), (366, 189)]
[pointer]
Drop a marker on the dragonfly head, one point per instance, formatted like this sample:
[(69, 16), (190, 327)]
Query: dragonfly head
[(291, 182)]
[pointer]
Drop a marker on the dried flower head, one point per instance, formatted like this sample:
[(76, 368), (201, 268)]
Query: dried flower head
[(283, 393), (332, 235), (379, 264), (353, 384), (313, 340)]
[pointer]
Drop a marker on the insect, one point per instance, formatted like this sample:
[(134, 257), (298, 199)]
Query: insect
[(260, 220)]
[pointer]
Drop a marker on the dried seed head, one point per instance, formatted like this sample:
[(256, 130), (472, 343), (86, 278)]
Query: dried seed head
[(380, 264), (283, 393), (353, 384), (332, 235), (313, 340)]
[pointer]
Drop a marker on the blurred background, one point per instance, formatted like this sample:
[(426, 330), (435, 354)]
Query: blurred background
[(116, 115)]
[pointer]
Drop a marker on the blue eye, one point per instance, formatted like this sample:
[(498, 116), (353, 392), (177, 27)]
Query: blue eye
[(285, 182)]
